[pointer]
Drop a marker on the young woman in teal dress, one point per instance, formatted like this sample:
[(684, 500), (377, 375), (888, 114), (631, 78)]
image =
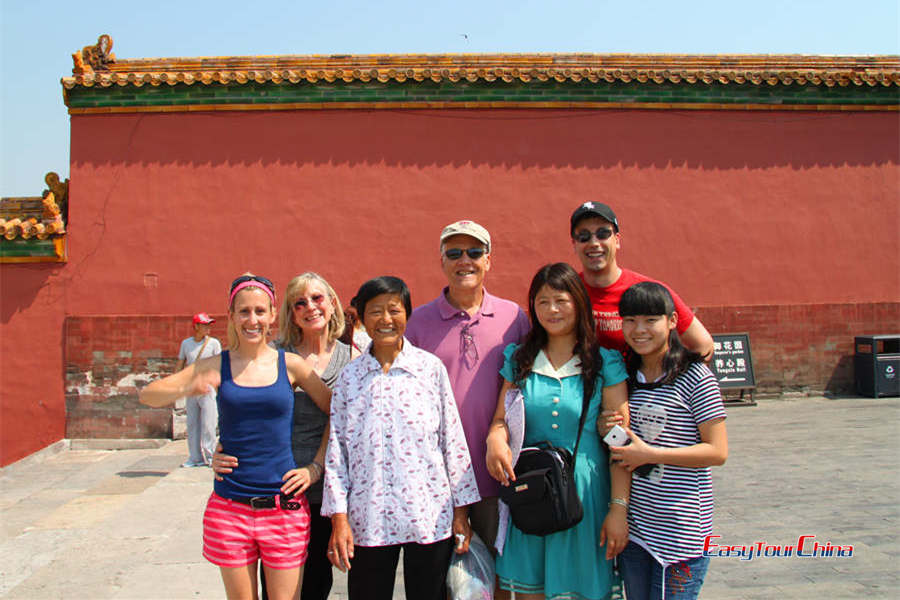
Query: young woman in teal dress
[(552, 366)]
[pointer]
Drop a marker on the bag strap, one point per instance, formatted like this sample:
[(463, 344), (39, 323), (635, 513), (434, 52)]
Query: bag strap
[(585, 401), (202, 348)]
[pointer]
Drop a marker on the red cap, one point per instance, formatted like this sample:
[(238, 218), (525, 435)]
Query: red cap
[(203, 319)]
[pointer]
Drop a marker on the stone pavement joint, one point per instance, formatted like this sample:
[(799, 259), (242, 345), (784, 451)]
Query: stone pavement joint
[(82, 522)]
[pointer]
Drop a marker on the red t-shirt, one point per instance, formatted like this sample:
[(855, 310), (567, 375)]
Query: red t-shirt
[(605, 302)]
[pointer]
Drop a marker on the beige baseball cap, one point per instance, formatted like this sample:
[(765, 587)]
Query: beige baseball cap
[(470, 228)]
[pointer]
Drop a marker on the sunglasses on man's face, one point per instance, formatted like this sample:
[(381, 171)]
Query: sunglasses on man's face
[(585, 235), (315, 299), (257, 278), (456, 253)]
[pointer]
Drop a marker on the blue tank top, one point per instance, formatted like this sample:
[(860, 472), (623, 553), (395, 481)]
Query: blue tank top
[(255, 426)]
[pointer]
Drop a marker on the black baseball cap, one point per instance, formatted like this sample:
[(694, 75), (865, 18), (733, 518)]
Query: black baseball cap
[(593, 209)]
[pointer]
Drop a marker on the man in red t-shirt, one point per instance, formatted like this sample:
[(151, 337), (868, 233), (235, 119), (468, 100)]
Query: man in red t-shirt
[(596, 239)]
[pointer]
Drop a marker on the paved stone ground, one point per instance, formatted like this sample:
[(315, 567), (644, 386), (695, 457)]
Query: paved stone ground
[(88, 523), (827, 468)]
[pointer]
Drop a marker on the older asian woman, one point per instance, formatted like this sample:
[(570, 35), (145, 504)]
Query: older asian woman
[(398, 472)]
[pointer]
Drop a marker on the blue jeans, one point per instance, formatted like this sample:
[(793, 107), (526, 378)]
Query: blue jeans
[(642, 576)]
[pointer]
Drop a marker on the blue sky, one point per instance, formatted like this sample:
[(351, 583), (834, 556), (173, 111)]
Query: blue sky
[(38, 38)]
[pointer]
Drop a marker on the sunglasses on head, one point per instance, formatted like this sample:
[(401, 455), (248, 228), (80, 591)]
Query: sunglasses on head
[(456, 253), (256, 278), (585, 235), (303, 302)]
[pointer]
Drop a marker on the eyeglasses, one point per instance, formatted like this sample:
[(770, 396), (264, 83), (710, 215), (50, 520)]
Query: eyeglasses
[(456, 253), (585, 235), (467, 348), (303, 302), (257, 278)]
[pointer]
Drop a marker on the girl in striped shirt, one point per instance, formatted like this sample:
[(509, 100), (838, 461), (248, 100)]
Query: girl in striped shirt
[(678, 431)]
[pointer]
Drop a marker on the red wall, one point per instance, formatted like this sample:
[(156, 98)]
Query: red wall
[(728, 207), (108, 359), (803, 347), (732, 208), (32, 412)]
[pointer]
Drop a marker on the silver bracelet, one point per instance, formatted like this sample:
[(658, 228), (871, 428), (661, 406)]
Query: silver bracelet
[(620, 501)]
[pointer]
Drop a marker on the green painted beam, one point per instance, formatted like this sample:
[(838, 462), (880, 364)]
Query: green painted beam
[(479, 91), (27, 248)]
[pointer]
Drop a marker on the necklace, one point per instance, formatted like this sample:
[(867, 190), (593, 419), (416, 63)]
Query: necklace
[(313, 357)]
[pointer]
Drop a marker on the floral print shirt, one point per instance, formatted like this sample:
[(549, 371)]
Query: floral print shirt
[(397, 461)]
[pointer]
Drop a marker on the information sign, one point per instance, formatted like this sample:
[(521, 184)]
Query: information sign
[(731, 363)]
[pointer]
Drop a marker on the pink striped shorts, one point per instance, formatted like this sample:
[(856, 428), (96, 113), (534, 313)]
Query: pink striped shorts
[(235, 534)]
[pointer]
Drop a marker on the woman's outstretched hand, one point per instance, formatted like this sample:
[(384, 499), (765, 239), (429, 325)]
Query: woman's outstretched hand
[(196, 379)]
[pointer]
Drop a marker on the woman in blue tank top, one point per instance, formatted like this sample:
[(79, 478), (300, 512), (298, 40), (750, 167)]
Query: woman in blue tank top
[(252, 513), (310, 322)]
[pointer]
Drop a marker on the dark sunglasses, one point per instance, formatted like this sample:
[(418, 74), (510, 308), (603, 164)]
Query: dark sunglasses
[(456, 253), (604, 233), (303, 302), (257, 278)]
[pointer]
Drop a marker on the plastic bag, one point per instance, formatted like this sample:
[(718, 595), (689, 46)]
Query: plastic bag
[(471, 575)]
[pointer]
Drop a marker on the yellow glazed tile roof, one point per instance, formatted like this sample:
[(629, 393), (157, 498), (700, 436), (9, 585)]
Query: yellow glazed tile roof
[(36, 216), (96, 65)]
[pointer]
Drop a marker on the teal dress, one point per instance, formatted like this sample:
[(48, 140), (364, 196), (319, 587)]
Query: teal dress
[(571, 563)]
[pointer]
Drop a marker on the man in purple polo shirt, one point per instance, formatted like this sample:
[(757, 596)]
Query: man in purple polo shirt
[(468, 328)]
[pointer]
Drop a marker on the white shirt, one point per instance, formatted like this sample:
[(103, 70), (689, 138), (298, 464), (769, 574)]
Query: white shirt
[(190, 353), (397, 461), (190, 348)]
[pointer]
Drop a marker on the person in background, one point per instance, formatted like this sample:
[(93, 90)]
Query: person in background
[(202, 416), (398, 474), (467, 328), (310, 320), (596, 240), (555, 368), (355, 334), (678, 426), (253, 513)]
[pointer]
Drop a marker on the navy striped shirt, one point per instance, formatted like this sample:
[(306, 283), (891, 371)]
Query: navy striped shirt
[(670, 510)]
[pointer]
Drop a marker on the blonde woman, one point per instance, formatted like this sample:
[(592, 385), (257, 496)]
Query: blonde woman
[(310, 320), (252, 513)]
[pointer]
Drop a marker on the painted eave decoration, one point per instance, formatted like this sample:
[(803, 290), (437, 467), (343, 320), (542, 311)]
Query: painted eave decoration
[(33, 229), (598, 78)]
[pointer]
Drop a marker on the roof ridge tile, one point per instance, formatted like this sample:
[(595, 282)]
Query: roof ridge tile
[(104, 69)]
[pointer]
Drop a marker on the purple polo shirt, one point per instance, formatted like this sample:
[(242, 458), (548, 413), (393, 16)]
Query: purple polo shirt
[(472, 350)]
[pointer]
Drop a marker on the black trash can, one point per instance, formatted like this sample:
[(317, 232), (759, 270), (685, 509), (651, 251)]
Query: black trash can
[(876, 365)]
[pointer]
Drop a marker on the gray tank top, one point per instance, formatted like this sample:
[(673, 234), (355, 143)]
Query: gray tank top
[(309, 422)]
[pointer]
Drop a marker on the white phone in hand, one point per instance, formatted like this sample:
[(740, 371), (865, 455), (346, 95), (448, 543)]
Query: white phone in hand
[(617, 436)]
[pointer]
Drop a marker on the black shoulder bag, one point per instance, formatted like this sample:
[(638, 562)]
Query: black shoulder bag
[(543, 498)]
